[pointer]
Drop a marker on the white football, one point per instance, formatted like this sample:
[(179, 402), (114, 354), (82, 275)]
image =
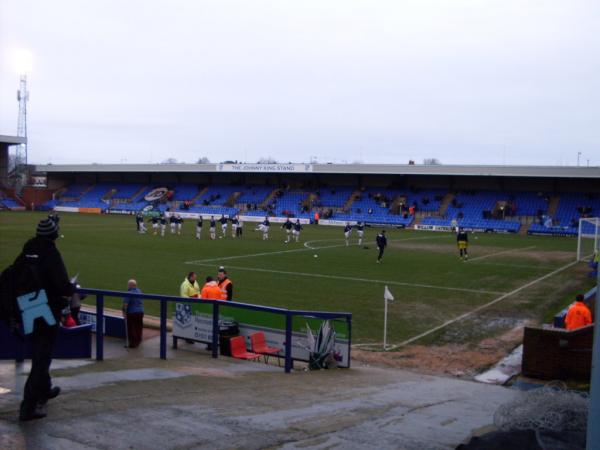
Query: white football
[(316, 256)]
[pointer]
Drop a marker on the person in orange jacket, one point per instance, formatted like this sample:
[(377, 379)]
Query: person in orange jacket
[(210, 290), (578, 315)]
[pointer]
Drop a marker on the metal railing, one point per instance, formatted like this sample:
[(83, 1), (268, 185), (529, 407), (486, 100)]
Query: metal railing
[(289, 314)]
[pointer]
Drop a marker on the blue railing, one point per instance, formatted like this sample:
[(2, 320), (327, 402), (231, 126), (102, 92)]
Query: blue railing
[(165, 299)]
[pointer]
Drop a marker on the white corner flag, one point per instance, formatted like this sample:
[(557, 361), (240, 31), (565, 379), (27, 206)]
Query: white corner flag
[(387, 295)]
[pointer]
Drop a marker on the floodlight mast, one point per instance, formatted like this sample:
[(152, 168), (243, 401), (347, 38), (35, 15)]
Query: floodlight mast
[(19, 171), (22, 98)]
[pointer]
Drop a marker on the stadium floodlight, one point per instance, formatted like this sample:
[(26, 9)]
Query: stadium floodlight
[(21, 61), (588, 240)]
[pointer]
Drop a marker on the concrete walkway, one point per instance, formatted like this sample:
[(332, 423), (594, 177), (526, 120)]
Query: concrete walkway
[(133, 400)]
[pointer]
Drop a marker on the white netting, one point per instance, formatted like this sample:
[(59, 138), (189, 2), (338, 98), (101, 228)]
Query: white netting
[(549, 408), (588, 237)]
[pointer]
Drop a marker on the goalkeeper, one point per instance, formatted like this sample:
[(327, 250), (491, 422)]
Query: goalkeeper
[(462, 240)]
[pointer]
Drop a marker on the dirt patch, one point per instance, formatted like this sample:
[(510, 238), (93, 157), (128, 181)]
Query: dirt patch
[(441, 248), (550, 255), (536, 255), (459, 360)]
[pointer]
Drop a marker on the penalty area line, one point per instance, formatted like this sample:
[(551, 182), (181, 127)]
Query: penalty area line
[(486, 305)]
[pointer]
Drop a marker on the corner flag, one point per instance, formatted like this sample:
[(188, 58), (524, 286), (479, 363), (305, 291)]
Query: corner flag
[(387, 295)]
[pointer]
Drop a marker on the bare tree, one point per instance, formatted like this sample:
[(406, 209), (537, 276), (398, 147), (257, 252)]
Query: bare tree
[(203, 160), (170, 161), (431, 162)]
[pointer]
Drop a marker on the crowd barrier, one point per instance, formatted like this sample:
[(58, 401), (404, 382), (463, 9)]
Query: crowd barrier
[(286, 315)]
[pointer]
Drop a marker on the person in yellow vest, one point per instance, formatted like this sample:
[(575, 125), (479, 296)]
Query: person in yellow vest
[(578, 315), (225, 284), (190, 287)]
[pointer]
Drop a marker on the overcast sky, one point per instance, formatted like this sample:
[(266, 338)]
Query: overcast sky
[(464, 81)]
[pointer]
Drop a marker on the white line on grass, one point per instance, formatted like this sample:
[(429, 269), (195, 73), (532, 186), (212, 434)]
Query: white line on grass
[(479, 308), (521, 266), (296, 250), (307, 243), (503, 252), (362, 280)]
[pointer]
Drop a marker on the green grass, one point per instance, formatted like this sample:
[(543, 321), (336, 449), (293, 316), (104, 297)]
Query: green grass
[(106, 251)]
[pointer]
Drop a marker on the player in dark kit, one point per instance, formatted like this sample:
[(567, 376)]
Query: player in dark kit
[(297, 230), (234, 226), (360, 230), (179, 224), (199, 228), (163, 224), (264, 227), (154, 221), (223, 222), (462, 241), (173, 223), (287, 226), (213, 225), (141, 226), (347, 232), (381, 244)]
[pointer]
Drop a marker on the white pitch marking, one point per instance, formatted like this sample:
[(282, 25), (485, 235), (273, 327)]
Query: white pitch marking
[(307, 248), (252, 255), (367, 280), (307, 243), (522, 266), (479, 308), (503, 252)]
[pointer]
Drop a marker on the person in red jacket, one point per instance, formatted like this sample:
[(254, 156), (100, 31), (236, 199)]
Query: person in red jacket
[(578, 315)]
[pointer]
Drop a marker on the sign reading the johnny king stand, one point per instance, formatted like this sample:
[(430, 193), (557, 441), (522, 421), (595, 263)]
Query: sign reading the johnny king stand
[(194, 321)]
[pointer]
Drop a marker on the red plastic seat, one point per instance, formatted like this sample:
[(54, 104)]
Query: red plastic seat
[(238, 349), (259, 345)]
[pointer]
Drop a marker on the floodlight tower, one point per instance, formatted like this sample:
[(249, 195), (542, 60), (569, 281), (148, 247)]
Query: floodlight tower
[(19, 171), (22, 98)]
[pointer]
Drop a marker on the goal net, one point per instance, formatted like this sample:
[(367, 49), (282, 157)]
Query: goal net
[(588, 237)]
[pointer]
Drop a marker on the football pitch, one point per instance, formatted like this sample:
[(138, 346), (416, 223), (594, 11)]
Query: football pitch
[(509, 279)]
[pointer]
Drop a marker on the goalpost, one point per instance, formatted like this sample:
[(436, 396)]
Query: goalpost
[(588, 239)]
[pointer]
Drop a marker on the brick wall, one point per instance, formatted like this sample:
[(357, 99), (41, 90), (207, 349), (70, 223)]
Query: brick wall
[(558, 354)]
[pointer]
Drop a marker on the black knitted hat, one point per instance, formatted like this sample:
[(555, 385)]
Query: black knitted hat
[(47, 229)]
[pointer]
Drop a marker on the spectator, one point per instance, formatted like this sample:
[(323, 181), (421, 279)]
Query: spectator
[(133, 312), (578, 315), (42, 256), (190, 287), (210, 290)]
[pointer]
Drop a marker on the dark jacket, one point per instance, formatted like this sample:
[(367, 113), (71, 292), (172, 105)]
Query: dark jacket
[(43, 253)]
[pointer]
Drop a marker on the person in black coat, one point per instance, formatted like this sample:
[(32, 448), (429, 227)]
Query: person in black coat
[(42, 253), (381, 244)]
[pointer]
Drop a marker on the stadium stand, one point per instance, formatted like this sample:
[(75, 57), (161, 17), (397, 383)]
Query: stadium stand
[(92, 198), (285, 203), (571, 207), (481, 210), (252, 195)]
